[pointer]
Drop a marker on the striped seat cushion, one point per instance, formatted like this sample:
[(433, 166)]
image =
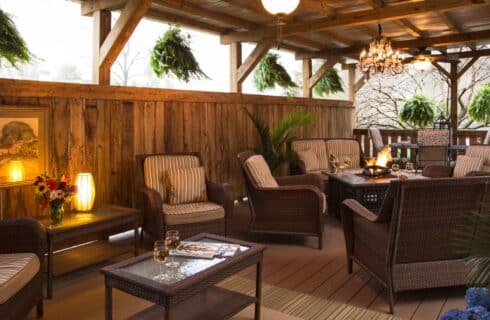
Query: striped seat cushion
[(344, 149), (310, 160), (186, 185), (481, 152), (155, 168), (192, 213), (260, 172), (466, 164), (16, 270), (315, 145)]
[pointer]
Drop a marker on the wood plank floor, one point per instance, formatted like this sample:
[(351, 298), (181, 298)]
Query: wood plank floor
[(295, 263)]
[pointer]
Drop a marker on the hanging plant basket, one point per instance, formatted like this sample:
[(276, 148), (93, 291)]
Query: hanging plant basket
[(480, 106), (418, 111), (270, 73), (12, 47), (330, 83), (173, 55)]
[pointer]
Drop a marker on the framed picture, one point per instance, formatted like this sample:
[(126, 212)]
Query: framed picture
[(23, 144)]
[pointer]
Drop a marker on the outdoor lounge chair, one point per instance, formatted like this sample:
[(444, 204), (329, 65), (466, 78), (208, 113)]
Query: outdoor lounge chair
[(212, 214), (22, 249), (433, 147), (477, 151), (409, 245), (287, 205)]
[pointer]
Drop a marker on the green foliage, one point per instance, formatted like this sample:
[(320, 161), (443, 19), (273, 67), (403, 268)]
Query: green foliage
[(272, 142), (418, 111), (475, 245), (270, 73), (329, 84), (480, 106), (172, 54), (12, 46)]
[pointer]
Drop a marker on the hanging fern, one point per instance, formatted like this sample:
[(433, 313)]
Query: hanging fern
[(329, 84), (12, 47), (172, 54), (418, 111), (270, 73), (480, 106)]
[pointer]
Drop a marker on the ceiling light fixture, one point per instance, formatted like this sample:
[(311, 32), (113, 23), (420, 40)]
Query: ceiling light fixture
[(280, 7), (422, 62)]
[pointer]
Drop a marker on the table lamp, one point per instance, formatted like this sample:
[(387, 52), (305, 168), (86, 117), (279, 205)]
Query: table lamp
[(84, 198)]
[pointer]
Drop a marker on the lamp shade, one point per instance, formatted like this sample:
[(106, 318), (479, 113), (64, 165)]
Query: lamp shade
[(422, 64), (84, 198), (16, 171), (280, 7)]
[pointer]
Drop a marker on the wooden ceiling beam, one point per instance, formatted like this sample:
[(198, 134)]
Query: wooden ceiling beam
[(318, 5), (349, 19), (88, 7), (132, 13), (450, 22), (403, 45)]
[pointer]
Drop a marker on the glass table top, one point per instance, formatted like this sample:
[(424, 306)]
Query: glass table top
[(187, 267)]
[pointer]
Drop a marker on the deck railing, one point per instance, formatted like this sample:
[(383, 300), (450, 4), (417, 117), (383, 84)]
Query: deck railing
[(464, 137)]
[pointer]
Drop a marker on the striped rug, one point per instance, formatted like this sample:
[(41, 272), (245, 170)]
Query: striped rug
[(302, 305)]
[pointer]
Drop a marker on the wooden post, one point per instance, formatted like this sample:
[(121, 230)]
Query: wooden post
[(235, 63), (307, 90), (351, 82), (102, 27), (453, 77)]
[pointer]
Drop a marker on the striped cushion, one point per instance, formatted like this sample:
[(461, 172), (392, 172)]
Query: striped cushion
[(482, 152), (192, 213), (186, 185), (310, 160), (343, 149), (260, 172), (155, 168), (433, 137), (16, 270), (466, 164), (315, 145)]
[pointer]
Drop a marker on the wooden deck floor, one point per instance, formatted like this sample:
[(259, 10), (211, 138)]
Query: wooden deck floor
[(296, 264)]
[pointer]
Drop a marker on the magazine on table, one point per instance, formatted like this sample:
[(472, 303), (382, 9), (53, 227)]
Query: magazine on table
[(205, 250)]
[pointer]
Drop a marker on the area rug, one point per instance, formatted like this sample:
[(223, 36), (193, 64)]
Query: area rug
[(302, 305)]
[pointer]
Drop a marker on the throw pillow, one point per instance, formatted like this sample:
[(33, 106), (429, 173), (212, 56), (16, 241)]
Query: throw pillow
[(186, 185), (260, 172), (466, 164), (310, 160)]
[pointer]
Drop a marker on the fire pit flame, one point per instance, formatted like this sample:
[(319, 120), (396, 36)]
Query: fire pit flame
[(379, 166)]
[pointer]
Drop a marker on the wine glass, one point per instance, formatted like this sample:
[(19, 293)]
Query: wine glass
[(172, 239), (160, 254), (345, 164), (409, 166), (395, 168)]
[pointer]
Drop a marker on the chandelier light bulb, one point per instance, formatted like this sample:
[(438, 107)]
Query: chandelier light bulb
[(280, 7)]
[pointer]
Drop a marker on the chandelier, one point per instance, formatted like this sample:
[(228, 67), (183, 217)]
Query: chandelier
[(380, 58)]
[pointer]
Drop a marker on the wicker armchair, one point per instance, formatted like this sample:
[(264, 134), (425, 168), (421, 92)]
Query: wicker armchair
[(433, 147), (296, 206), (160, 217), (482, 151), (22, 248), (408, 245)]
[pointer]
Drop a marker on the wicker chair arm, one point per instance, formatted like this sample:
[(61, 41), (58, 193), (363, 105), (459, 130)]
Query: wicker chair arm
[(437, 171), (351, 207), (478, 174), (153, 212), (222, 194), (304, 179), (23, 235)]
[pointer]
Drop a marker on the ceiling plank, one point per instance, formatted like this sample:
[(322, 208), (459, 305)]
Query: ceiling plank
[(319, 6), (88, 7), (450, 22), (253, 59), (349, 19)]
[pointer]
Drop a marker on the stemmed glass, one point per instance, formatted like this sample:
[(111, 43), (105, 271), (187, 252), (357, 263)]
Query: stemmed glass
[(172, 239), (395, 168), (160, 254)]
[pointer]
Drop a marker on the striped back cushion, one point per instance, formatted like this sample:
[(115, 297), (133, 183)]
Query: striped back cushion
[(260, 172), (482, 152), (310, 160), (155, 168), (433, 137), (186, 185), (466, 164), (318, 148), (344, 148)]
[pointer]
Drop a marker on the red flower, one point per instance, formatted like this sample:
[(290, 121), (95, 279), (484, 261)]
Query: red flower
[(62, 184), (51, 184)]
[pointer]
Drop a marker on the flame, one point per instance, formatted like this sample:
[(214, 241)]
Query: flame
[(382, 158)]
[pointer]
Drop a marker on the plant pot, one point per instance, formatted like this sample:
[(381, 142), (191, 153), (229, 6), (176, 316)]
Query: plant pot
[(56, 214)]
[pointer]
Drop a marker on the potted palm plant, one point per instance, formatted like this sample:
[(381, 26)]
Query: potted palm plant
[(13, 48), (418, 111)]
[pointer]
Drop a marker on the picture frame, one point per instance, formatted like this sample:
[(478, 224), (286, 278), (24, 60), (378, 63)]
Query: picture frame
[(23, 144)]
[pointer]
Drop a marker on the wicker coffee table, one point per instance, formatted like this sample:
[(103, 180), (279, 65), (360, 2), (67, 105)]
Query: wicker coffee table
[(89, 228), (191, 292), (352, 184)]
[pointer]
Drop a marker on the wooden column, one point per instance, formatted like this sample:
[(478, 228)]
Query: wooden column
[(235, 63), (307, 73), (351, 82), (102, 27), (453, 77)]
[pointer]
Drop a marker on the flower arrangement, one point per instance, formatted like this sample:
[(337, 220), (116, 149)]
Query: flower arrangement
[(52, 193), (478, 306)]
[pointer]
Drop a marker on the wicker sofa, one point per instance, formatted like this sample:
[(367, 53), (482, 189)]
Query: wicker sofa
[(479, 151), (22, 249), (408, 245), (295, 206), (212, 215)]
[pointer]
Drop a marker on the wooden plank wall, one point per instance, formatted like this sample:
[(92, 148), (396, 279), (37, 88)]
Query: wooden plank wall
[(100, 128)]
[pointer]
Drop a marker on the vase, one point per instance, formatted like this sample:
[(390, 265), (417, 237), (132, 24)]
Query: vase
[(56, 214)]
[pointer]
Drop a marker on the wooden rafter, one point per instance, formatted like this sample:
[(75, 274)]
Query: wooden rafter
[(319, 6), (88, 7), (450, 22), (467, 66), (349, 19)]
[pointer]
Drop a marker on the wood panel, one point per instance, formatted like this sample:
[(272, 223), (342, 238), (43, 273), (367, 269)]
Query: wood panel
[(99, 132)]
